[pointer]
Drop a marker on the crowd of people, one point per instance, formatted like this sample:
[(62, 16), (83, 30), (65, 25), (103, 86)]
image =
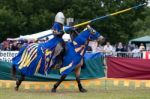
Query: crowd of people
[(119, 48), (15, 45), (94, 46)]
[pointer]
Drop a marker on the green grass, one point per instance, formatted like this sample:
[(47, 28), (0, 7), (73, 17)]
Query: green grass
[(104, 91)]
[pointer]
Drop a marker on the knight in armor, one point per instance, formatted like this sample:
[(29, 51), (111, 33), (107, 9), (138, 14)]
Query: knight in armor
[(58, 33), (40, 58), (58, 24)]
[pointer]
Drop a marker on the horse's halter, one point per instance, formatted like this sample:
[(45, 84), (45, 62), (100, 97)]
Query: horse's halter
[(92, 32)]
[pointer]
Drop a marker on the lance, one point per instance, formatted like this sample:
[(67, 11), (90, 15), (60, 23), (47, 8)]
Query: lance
[(98, 18), (108, 15)]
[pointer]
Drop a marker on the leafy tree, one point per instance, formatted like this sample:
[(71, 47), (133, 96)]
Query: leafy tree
[(20, 17), (142, 27)]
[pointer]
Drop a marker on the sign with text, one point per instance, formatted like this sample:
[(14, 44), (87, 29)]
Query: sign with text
[(7, 55)]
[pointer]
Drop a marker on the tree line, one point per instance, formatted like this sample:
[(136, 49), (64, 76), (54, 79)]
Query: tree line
[(22, 17)]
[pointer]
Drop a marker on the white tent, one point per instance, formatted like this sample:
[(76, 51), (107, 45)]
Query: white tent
[(43, 34), (34, 36), (38, 35)]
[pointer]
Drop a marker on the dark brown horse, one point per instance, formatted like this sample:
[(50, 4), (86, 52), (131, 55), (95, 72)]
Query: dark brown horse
[(72, 61)]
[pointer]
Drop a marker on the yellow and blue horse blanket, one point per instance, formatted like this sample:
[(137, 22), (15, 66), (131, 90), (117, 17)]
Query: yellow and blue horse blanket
[(36, 58), (75, 51), (40, 58)]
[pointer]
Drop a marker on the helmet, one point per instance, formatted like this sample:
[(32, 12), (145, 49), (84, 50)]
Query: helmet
[(60, 18)]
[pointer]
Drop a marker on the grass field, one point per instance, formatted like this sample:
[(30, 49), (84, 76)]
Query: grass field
[(104, 91)]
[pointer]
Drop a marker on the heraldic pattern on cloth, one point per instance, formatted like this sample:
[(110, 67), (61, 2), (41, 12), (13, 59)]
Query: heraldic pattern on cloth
[(40, 58), (75, 51), (36, 58)]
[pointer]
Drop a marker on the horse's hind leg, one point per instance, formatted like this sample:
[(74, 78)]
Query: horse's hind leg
[(58, 83), (77, 73), (19, 81), (13, 71)]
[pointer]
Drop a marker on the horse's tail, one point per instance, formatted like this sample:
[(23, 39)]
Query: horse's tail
[(13, 71)]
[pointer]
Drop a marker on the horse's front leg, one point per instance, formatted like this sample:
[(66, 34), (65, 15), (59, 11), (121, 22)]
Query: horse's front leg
[(58, 83), (77, 73), (19, 81)]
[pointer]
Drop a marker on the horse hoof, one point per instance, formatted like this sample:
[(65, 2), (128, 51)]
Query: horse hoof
[(83, 90), (53, 90), (16, 88)]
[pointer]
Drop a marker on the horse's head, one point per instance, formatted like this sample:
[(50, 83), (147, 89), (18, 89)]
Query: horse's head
[(94, 35), (87, 34)]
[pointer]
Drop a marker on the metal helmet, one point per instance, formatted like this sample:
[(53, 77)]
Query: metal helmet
[(60, 18)]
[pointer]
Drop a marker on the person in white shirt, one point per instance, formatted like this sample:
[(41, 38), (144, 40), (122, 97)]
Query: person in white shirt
[(142, 47), (136, 52), (108, 49), (93, 45)]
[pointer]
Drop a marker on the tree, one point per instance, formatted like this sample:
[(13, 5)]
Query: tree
[(116, 28), (142, 26), (20, 17)]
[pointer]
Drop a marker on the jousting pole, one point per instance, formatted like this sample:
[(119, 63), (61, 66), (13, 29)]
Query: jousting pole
[(98, 18)]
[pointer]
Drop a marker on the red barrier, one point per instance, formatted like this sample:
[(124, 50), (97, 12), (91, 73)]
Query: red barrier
[(146, 55), (131, 68)]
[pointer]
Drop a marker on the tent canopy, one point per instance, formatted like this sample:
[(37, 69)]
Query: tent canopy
[(144, 39), (35, 36)]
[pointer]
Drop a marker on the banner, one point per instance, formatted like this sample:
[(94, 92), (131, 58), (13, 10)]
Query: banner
[(93, 69), (132, 68), (7, 56)]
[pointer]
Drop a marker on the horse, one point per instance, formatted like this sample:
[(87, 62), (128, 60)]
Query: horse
[(35, 59)]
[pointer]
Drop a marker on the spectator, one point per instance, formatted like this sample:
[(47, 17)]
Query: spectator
[(93, 45), (142, 47), (108, 49), (19, 46), (119, 49), (100, 48), (136, 52), (131, 47), (6, 46), (126, 48), (148, 48), (14, 46)]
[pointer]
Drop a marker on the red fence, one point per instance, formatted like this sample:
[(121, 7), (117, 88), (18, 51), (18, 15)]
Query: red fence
[(132, 68)]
